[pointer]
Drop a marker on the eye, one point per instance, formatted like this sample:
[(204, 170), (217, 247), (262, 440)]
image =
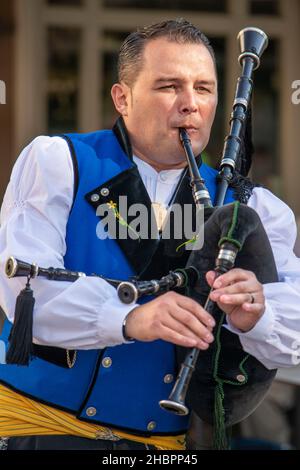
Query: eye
[(202, 89), (166, 87)]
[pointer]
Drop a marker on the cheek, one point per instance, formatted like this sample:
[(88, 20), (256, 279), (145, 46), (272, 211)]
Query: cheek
[(152, 116), (147, 111), (138, 117), (209, 111), (163, 105)]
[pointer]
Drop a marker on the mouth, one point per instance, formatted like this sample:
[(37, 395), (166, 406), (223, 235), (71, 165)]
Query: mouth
[(191, 130), (188, 127)]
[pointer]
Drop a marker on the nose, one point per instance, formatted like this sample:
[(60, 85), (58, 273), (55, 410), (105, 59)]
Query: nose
[(188, 102)]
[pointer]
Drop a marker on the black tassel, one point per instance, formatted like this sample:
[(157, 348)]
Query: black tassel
[(20, 338)]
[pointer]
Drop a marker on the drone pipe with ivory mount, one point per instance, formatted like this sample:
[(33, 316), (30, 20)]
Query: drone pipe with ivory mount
[(252, 43)]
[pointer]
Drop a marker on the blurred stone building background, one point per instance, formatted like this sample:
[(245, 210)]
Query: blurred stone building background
[(58, 61)]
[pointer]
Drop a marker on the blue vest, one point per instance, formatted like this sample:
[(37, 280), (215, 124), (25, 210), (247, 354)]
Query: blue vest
[(127, 393)]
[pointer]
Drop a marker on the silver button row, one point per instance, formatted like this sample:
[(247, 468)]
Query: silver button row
[(95, 197), (92, 411), (107, 362)]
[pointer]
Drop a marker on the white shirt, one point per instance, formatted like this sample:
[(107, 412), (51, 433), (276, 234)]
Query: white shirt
[(87, 314)]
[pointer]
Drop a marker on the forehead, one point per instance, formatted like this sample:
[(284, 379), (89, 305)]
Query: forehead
[(162, 56)]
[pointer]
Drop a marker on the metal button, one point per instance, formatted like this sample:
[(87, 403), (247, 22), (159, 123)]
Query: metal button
[(168, 378), (104, 192), (151, 426), (91, 411), (107, 362), (240, 378), (95, 197)]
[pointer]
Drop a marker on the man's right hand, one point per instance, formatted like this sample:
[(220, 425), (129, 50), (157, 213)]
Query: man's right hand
[(174, 318)]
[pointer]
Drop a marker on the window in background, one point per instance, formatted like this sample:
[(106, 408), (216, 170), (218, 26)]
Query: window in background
[(73, 3), (264, 7), (214, 148), (111, 43), (219, 6), (62, 79), (265, 168)]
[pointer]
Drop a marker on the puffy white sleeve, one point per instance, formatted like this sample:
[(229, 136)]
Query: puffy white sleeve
[(86, 314), (275, 339)]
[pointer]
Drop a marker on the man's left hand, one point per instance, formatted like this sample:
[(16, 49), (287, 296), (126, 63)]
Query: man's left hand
[(240, 295)]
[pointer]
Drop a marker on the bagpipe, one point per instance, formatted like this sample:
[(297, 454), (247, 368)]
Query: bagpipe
[(223, 384)]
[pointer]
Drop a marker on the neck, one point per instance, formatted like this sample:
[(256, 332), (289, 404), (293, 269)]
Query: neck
[(160, 166), (130, 148)]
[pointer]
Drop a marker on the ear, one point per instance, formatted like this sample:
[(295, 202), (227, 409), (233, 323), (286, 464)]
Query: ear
[(120, 95)]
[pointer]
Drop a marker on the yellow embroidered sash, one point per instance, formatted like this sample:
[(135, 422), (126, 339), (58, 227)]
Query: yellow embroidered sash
[(21, 416)]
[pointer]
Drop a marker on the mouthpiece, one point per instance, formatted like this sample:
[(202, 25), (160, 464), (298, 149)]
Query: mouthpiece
[(184, 136)]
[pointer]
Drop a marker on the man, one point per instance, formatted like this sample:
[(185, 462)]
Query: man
[(73, 386)]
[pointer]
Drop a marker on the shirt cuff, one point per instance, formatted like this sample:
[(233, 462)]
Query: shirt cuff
[(263, 328), (110, 323)]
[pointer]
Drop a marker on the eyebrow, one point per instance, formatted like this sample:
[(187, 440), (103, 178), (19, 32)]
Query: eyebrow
[(179, 80)]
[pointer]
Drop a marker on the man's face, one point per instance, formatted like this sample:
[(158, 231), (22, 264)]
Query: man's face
[(177, 87)]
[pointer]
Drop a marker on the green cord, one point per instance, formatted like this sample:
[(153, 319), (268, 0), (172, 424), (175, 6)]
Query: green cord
[(192, 240), (220, 439), (230, 240), (236, 205), (229, 236)]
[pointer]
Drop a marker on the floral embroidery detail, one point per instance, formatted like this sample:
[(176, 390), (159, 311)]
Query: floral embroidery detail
[(113, 206), (192, 240)]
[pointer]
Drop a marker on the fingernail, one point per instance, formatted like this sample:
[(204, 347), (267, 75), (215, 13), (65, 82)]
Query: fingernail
[(209, 337), (217, 284), (211, 322)]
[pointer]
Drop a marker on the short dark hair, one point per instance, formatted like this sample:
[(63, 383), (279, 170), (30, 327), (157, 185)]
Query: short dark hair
[(130, 60)]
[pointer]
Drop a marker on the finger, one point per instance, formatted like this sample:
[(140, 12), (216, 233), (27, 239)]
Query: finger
[(257, 307), (236, 299), (210, 277), (238, 287), (188, 321), (197, 310), (234, 275), (177, 326), (174, 337)]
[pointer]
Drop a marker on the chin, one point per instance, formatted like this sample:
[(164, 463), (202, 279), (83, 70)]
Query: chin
[(198, 146), (197, 150)]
